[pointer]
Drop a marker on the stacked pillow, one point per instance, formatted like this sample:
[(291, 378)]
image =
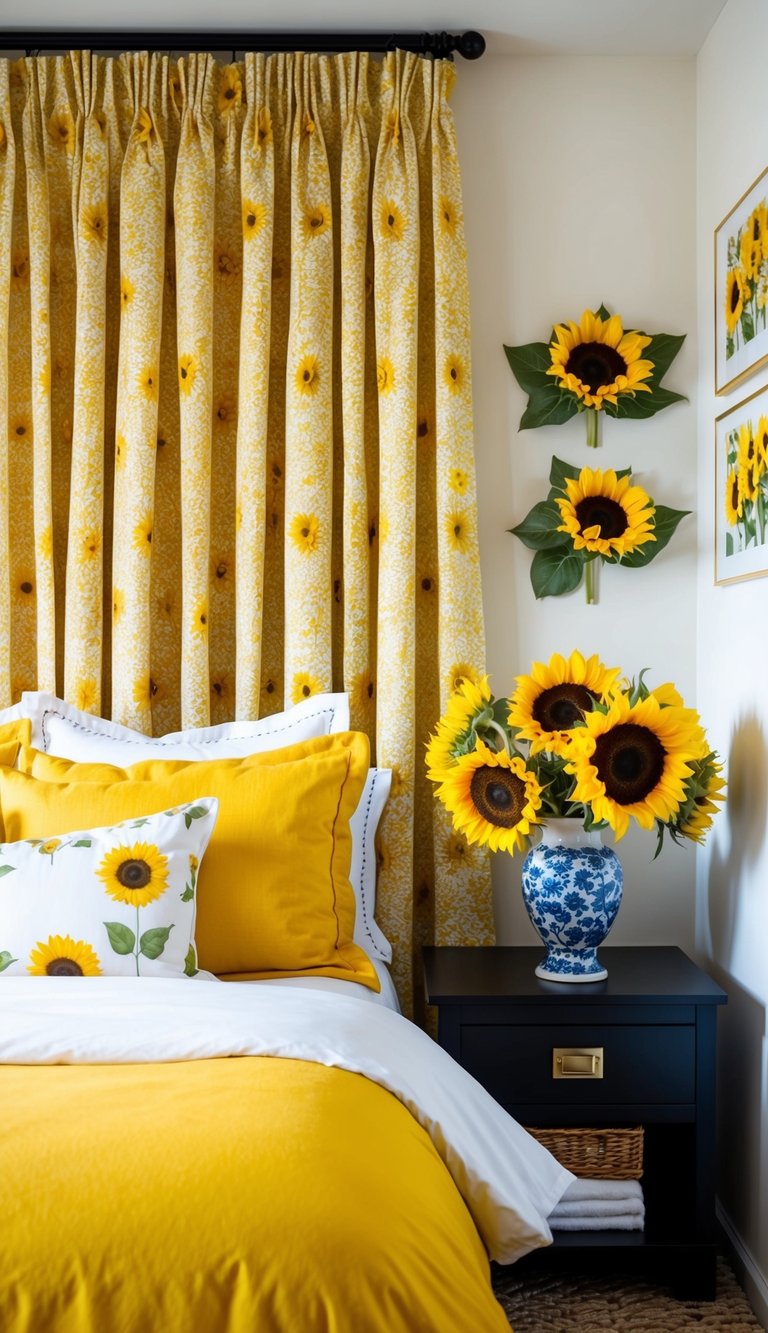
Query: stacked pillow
[(274, 896)]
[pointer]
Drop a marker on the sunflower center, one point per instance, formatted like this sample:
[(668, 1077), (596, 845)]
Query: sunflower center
[(735, 294), (63, 967), (598, 511), (735, 493), (595, 364), (562, 706), (134, 874), (498, 795), (630, 762)]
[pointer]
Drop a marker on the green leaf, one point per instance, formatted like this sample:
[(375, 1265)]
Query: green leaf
[(558, 473), (538, 530), (139, 823), (194, 812), (529, 364), (602, 313), (121, 937), (747, 325), (6, 870), (188, 894), (153, 941), (666, 521), (644, 405), (548, 406), (6, 960), (556, 572), (729, 543), (83, 842), (189, 963), (662, 350)]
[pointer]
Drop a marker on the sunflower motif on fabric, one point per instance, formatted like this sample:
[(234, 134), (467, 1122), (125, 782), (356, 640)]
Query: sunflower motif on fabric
[(385, 375), (86, 694), (135, 875), (304, 532), (61, 129), (230, 90), (307, 377), (454, 374), (493, 798), (147, 383), (254, 217), (188, 367), (317, 220), (555, 698), (391, 220), (458, 480), (304, 685), (142, 535), (200, 618), (61, 956), (94, 222), (447, 216), (263, 128), (459, 532)]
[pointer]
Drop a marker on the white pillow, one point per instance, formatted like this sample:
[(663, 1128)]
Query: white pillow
[(362, 871), (114, 901), (58, 728)]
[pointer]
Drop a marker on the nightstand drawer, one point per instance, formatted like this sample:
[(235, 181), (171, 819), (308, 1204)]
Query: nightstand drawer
[(638, 1064)]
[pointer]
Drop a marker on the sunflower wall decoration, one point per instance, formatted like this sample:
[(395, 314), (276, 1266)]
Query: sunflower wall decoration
[(589, 517), (592, 367), (575, 740), (741, 287)]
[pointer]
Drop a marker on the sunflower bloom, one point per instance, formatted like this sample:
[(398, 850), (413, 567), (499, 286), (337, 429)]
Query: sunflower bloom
[(597, 361), (555, 697), (135, 875), (698, 822), (188, 367), (448, 216), (454, 374), (734, 500), (304, 532), (605, 513), (94, 222), (142, 535), (86, 694), (458, 528), (458, 481), (118, 605), (736, 293), (461, 671), (634, 761), (471, 697), (304, 685), (61, 956), (493, 798), (61, 128), (147, 382), (200, 618), (127, 291)]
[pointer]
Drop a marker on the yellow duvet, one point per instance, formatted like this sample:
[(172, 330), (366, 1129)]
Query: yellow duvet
[(246, 1194)]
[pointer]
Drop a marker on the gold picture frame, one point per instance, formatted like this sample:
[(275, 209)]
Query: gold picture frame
[(741, 490), (741, 288)]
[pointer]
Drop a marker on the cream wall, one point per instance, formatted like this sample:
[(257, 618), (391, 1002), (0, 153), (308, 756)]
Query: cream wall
[(579, 187), (732, 885)]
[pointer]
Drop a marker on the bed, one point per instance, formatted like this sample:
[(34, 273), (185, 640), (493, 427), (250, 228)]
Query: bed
[(241, 1147)]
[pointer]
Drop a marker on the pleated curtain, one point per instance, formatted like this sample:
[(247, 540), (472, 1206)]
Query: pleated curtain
[(236, 375)]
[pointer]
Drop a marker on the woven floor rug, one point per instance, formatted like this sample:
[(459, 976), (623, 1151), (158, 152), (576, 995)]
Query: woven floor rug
[(552, 1302)]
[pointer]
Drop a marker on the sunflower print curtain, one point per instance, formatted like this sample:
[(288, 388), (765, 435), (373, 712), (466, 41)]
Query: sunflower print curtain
[(239, 465)]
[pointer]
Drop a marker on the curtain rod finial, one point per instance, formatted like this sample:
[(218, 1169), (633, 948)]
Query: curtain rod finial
[(471, 45)]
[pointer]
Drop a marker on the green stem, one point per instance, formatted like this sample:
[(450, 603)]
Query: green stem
[(137, 942), (590, 582), (494, 726), (591, 415)]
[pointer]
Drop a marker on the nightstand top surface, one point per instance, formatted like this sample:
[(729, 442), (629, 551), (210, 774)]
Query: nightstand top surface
[(651, 974)]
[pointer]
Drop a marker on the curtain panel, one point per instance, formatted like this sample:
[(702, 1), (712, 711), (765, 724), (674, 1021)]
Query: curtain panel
[(236, 375)]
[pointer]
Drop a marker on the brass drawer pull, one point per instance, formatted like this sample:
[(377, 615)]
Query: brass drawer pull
[(577, 1062)]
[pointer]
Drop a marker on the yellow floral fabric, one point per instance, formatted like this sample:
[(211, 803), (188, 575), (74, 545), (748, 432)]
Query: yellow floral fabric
[(239, 450)]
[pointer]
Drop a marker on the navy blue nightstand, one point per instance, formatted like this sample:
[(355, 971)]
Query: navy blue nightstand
[(654, 1021)]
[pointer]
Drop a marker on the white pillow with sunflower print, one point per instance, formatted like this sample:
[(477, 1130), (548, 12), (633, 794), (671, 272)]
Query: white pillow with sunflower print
[(116, 901)]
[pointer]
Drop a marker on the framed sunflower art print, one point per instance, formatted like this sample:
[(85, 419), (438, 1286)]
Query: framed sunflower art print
[(741, 490), (741, 288)]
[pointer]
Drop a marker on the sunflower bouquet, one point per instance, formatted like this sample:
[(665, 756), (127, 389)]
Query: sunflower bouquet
[(591, 516), (591, 367), (746, 283), (574, 740)]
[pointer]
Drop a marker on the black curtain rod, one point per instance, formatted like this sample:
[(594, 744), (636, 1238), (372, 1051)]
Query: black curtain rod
[(471, 45)]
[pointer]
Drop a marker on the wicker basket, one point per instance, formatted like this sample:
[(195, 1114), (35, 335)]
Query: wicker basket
[(613, 1154)]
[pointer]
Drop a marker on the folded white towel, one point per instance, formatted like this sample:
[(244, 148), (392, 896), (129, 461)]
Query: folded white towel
[(587, 1188), (624, 1222), (596, 1207)]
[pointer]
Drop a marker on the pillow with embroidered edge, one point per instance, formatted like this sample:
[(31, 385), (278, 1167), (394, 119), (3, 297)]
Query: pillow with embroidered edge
[(116, 900), (307, 917)]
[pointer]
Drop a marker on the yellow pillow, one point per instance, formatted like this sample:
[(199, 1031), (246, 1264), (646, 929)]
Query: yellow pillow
[(274, 897), (12, 736)]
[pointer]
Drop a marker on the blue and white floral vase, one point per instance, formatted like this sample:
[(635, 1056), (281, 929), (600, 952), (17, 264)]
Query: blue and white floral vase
[(572, 891)]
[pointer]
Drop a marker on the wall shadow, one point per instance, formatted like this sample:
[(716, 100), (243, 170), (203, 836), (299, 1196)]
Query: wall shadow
[(746, 815)]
